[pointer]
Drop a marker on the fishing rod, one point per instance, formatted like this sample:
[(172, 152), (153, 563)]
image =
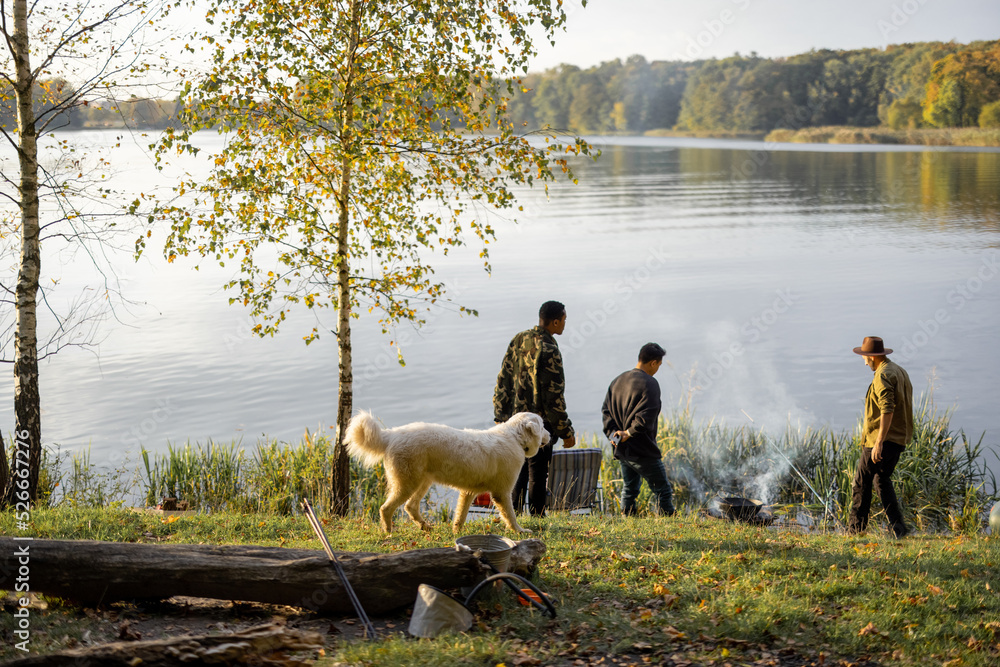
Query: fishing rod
[(823, 499), (318, 529)]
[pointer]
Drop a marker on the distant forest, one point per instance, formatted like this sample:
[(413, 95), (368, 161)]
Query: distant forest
[(928, 84)]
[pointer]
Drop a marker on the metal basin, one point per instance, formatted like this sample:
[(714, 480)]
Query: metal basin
[(742, 509)]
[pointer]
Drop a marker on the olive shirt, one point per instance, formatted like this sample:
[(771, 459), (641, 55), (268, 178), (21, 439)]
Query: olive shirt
[(890, 391), (531, 380)]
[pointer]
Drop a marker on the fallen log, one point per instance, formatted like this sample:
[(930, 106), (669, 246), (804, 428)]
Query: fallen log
[(524, 557), (262, 645), (93, 573)]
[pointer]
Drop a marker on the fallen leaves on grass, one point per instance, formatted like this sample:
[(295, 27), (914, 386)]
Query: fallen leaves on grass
[(127, 633), (869, 629), (934, 589)]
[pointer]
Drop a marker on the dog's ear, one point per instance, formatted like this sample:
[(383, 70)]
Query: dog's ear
[(533, 426)]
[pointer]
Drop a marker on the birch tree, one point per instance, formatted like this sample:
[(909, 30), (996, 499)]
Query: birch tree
[(362, 137), (70, 54)]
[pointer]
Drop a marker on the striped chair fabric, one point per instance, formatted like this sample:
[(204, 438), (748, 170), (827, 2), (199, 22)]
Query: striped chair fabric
[(574, 476)]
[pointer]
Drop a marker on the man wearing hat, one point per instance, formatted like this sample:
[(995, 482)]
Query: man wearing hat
[(887, 429)]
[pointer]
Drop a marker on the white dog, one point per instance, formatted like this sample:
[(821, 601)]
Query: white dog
[(418, 455)]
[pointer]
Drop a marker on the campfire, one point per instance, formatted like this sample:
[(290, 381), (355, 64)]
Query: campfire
[(737, 508)]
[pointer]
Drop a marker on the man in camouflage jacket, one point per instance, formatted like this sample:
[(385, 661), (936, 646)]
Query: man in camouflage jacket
[(531, 380)]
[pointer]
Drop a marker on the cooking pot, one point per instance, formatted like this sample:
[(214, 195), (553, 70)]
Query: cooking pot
[(743, 509)]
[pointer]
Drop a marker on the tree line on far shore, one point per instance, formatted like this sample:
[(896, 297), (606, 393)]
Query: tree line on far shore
[(906, 86), (929, 84), (133, 112)]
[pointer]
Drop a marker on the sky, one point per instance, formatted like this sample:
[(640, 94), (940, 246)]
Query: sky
[(692, 30)]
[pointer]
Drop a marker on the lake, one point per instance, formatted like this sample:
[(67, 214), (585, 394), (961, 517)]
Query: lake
[(757, 266)]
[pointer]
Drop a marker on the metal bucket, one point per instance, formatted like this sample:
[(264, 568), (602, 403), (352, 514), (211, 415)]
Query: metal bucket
[(494, 549), (995, 520)]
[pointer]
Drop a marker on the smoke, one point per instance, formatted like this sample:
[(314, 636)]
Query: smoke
[(717, 461)]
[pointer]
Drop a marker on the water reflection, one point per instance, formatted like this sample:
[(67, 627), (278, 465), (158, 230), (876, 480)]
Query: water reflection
[(928, 191), (860, 242)]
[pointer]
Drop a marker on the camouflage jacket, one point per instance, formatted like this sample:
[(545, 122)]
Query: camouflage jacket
[(531, 380)]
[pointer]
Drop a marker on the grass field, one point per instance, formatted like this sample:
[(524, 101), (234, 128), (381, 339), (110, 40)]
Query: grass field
[(688, 590)]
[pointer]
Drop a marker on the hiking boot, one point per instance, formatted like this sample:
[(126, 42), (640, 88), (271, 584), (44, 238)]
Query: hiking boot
[(899, 531)]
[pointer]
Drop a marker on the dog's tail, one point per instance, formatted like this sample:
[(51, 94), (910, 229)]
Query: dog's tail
[(364, 439)]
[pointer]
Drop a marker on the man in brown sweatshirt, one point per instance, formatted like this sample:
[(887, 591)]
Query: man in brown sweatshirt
[(887, 429)]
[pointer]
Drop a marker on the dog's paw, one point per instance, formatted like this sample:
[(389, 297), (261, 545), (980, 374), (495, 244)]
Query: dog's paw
[(521, 529)]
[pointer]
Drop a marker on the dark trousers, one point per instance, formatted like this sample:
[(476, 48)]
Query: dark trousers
[(534, 478), (878, 475), (655, 474)]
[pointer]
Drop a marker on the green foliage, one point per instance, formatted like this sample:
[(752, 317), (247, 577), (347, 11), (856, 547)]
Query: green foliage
[(904, 114), (947, 107), (989, 117), (960, 85), (909, 71), (271, 478), (747, 93), (385, 122), (86, 485), (209, 477)]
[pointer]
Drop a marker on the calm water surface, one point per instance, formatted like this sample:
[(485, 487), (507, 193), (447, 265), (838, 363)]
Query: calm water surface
[(757, 266)]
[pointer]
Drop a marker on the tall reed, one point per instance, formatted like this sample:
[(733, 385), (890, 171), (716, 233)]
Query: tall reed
[(272, 477), (209, 477), (942, 480)]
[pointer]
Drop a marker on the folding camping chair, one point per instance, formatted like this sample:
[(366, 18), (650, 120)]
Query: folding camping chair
[(575, 480), (482, 506)]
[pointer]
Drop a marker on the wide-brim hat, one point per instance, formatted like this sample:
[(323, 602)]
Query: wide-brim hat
[(872, 347)]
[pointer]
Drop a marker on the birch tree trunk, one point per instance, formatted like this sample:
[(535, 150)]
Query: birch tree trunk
[(345, 403), (27, 412)]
